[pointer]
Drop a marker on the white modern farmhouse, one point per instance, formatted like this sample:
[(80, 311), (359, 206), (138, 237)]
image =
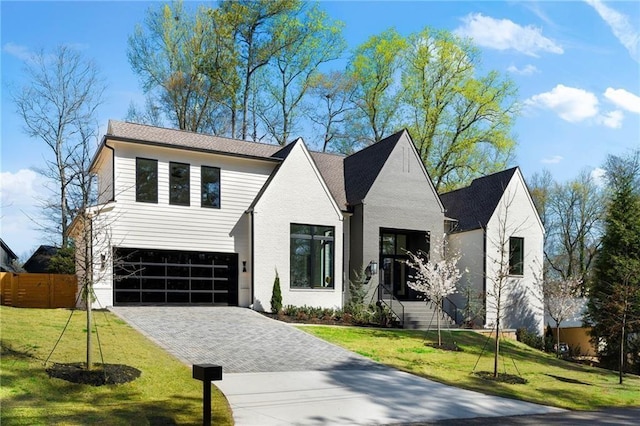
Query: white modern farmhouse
[(198, 219)]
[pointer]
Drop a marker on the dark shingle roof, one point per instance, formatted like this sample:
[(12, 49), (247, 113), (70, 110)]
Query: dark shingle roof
[(348, 178), (331, 167), (474, 205), (362, 168), (188, 140)]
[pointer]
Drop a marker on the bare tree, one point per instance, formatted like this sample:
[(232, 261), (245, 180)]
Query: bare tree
[(435, 278), (334, 91), (562, 301), (58, 106), (501, 262), (573, 215)]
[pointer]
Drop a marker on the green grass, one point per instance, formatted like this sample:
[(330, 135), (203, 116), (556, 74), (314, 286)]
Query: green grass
[(165, 393), (550, 381)]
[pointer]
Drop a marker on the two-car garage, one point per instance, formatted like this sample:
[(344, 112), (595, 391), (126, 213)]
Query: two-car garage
[(158, 277)]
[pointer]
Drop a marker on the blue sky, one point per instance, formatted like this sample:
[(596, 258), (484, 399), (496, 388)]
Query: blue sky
[(576, 63)]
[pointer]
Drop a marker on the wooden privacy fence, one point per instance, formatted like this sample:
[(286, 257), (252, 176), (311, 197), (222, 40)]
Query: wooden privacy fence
[(38, 290)]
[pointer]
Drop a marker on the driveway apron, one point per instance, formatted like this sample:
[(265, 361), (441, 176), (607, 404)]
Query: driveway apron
[(275, 374)]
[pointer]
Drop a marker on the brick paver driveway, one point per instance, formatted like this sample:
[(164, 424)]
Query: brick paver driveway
[(239, 339), (276, 375)]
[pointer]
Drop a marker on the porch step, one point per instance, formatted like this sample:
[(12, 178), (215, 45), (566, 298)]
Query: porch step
[(423, 316)]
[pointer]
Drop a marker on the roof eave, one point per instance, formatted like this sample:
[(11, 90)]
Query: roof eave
[(192, 149)]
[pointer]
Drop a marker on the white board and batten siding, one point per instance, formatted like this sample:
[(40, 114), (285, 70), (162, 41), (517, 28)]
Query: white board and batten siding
[(172, 227), (296, 194)]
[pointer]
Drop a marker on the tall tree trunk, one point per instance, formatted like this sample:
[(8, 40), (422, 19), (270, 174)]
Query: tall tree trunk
[(438, 324), (624, 320), (497, 347)]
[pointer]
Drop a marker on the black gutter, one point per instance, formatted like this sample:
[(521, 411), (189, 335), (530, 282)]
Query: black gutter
[(252, 259), (194, 149), (113, 171)]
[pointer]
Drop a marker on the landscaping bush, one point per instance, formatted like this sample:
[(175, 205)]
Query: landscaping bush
[(276, 296), (530, 339)]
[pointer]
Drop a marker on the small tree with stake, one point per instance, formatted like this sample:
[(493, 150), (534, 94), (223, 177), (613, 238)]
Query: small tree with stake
[(562, 302), (435, 279)]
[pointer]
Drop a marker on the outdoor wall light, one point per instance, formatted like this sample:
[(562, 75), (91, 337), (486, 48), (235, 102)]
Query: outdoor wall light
[(373, 267), (244, 266)]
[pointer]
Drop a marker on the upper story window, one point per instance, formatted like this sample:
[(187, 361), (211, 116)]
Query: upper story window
[(516, 256), (210, 177), (146, 180), (179, 184), (312, 256)]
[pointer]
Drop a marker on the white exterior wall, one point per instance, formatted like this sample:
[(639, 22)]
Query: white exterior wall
[(470, 245), (515, 216), (402, 197), (104, 166), (164, 226), (296, 194)]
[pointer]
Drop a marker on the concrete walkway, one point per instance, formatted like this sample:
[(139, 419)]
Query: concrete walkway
[(275, 374)]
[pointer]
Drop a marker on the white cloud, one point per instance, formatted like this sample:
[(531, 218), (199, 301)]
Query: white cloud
[(20, 195), (21, 52), (570, 103), (598, 175), (22, 188), (555, 159), (503, 34), (527, 70), (623, 99), (612, 119), (621, 26)]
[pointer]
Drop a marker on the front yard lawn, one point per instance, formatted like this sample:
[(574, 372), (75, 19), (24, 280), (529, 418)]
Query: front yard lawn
[(551, 381), (165, 393)]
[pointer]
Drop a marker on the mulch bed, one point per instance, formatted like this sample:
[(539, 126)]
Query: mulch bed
[(99, 375), (502, 378), (445, 346)]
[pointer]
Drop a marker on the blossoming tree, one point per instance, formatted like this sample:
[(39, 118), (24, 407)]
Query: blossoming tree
[(436, 276)]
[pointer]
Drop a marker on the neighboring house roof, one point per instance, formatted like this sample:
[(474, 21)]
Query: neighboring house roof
[(11, 256), (362, 168), (474, 205), (38, 263)]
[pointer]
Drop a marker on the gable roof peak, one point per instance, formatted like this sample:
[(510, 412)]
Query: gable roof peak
[(474, 205)]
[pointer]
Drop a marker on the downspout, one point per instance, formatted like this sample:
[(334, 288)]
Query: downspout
[(252, 260), (484, 274), (113, 171)]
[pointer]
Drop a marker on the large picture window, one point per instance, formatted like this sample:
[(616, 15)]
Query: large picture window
[(312, 256), (179, 184), (210, 177), (146, 180), (516, 256)]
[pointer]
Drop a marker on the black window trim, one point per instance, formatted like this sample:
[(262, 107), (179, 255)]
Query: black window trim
[(188, 203), (138, 200), (516, 269), (317, 237), (219, 206)]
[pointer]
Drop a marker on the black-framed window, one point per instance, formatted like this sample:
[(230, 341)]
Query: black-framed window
[(516, 256), (312, 256), (146, 180), (210, 184), (179, 184)]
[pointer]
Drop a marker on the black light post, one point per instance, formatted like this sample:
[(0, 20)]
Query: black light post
[(207, 373)]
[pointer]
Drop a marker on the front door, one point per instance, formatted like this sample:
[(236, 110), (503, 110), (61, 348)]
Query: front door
[(393, 255)]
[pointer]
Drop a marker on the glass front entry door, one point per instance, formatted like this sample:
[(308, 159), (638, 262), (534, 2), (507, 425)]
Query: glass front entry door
[(393, 255)]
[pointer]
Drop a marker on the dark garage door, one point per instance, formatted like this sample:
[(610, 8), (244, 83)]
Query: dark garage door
[(158, 277)]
